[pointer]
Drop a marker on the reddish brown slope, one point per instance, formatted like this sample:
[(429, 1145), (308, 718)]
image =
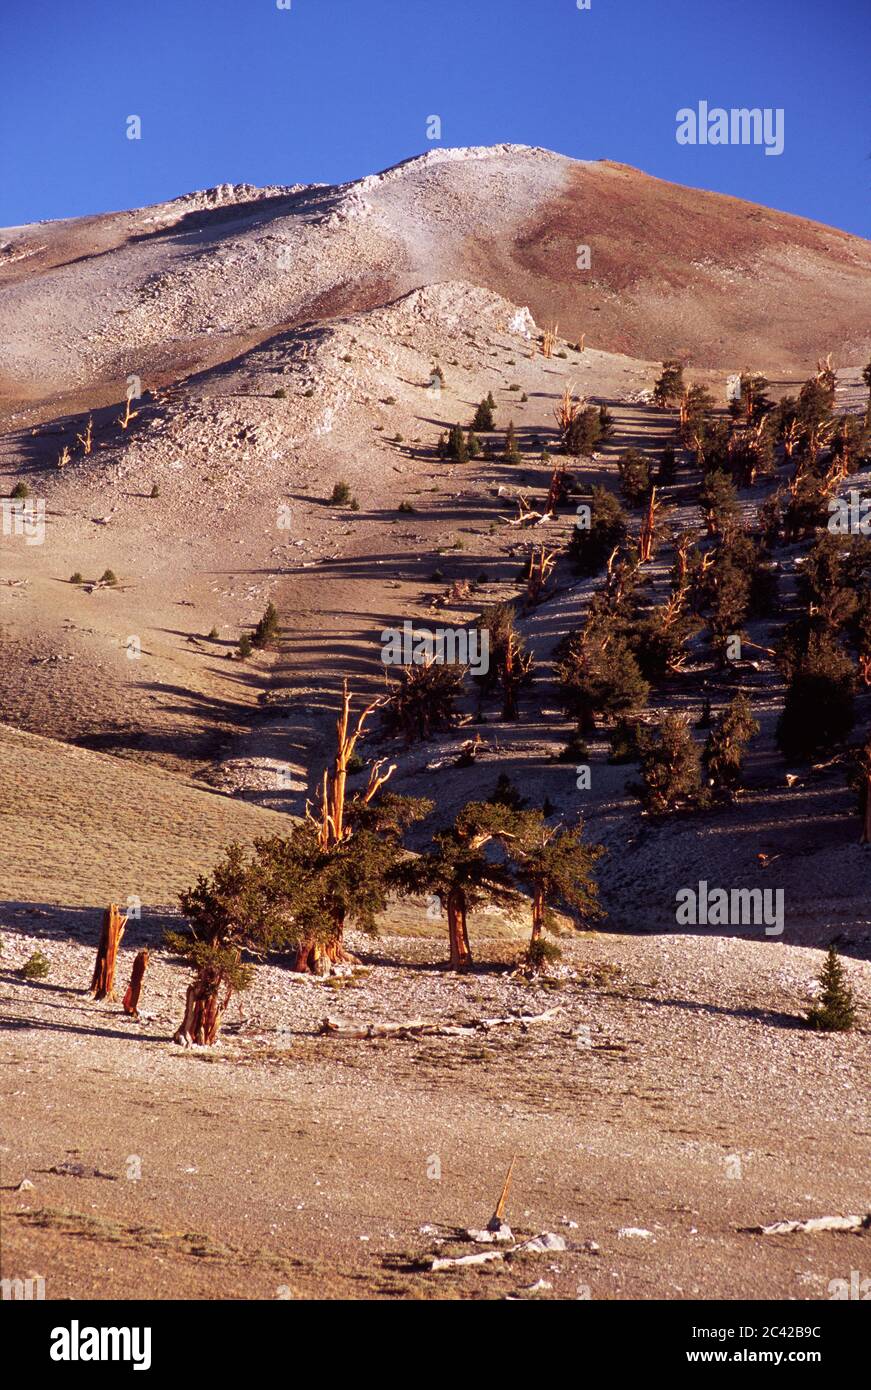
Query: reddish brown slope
[(679, 270)]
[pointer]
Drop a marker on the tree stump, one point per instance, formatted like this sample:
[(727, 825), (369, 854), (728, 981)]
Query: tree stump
[(103, 980), (134, 989)]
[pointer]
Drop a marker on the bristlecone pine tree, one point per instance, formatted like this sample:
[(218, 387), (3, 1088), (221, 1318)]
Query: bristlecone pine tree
[(634, 471), (835, 1009), (221, 909), (697, 431), (511, 454), (510, 664), (753, 402), (586, 430), (556, 866), (267, 628), (599, 675), (719, 502), (727, 742), (454, 446), (669, 385), (819, 708), (423, 699), (671, 773), (483, 420), (726, 587), (355, 879), (461, 875), (298, 891), (591, 544)]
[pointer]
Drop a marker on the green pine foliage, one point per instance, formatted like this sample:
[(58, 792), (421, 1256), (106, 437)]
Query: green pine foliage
[(591, 544), (669, 386), (267, 629), (423, 700), (585, 432), (835, 1009), (726, 745), (454, 445), (599, 677), (36, 967), (818, 712), (671, 767), (511, 452), (483, 420), (634, 471), (719, 502)]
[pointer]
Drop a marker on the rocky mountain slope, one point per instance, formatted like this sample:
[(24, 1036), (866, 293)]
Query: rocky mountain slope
[(165, 290)]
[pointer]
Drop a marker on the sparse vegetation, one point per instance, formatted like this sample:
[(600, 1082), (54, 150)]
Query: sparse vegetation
[(36, 967), (340, 495), (267, 630), (634, 470)]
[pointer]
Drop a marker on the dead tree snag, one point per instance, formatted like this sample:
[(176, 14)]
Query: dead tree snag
[(103, 979)]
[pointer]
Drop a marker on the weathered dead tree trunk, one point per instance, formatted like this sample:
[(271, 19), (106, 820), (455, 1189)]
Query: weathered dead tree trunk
[(460, 951), (134, 989), (498, 1217), (648, 530), (541, 563), (315, 957), (422, 1028), (103, 979)]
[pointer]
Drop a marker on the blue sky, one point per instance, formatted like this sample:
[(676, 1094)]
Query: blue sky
[(328, 90)]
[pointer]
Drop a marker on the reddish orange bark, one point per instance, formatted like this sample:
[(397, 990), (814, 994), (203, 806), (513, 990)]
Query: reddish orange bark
[(134, 989), (461, 953), (103, 979)]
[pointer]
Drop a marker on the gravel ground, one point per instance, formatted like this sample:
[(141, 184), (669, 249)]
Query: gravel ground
[(674, 1092)]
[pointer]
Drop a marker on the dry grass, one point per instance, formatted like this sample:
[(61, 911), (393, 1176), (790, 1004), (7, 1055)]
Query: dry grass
[(80, 827)]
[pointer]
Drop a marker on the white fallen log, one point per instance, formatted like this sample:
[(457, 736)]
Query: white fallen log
[(816, 1223), (422, 1028), (483, 1258), (543, 1244)]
